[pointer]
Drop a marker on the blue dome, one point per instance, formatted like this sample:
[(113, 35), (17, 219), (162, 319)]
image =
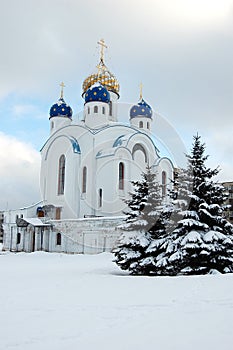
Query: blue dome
[(98, 93), (60, 109), (142, 109)]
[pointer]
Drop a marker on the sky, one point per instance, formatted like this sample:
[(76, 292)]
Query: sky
[(181, 51)]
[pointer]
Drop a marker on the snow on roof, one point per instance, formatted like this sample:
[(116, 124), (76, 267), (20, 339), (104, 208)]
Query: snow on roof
[(35, 222)]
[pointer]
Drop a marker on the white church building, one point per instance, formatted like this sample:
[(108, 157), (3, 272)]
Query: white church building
[(86, 171)]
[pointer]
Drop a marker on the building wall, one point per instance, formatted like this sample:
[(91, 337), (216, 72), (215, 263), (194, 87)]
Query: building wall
[(89, 235), (101, 155)]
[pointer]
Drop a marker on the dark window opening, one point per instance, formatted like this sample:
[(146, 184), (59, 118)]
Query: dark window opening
[(141, 125), (100, 197), (61, 175), (110, 108), (121, 176), (95, 109), (18, 238), (58, 239), (84, 183)]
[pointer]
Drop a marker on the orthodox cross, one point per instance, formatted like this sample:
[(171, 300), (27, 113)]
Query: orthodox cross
[(102, 47), (140, 91), (62, 85)]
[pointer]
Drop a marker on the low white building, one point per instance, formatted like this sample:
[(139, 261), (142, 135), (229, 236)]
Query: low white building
[(86, 172)]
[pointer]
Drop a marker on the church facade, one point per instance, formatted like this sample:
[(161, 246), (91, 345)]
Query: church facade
[(86, 171)]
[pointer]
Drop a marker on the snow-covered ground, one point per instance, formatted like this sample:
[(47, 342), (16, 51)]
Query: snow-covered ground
[(57, 301)]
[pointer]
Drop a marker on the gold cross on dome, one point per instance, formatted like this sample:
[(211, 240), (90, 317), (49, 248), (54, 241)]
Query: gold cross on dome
[(62, 85), (140, 91), (102, 47)]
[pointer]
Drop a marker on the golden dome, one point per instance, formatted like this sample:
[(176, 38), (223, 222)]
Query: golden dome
[(104, 77)]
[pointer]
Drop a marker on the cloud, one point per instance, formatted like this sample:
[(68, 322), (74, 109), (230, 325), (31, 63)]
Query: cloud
[(221, 146), (19, 173), (21, 111), (181, 50)]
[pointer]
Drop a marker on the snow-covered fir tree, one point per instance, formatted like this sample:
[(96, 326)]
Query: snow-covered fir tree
[(145, 222), (203, 239)]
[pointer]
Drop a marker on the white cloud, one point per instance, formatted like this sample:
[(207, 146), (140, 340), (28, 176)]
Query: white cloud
[(21, 111), (181, 50), (19, 173), (220, 147)]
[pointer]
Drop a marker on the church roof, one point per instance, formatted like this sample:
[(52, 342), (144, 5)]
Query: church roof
[(103, 74), (141, 109), (61, 108), (97, 92)]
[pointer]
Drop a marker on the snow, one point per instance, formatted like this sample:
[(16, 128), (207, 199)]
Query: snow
[(58, 301), (192, 236), (212, 236), (35, 222)]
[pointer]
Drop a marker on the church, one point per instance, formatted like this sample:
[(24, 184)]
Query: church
[(86, 171)]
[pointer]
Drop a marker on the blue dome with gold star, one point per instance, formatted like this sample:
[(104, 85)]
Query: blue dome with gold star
[(142, 109), (98, 93), (60, 109)]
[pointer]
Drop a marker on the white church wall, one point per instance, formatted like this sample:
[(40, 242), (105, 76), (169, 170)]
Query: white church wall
[(96, 119), (90, 235)]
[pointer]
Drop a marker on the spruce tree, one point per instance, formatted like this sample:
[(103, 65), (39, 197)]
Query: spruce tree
[(202, 242), (145, 222)]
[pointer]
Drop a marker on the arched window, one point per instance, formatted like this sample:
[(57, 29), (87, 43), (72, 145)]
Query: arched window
[(84, 183), (103, 110), (18, 238), (140, 124), (138, 147), (164, 183), (95, 109), (52, 125), (100, 197), (121, 175), (110, 108), (58, 240), (148, 125), (88, 110), (61, 174)]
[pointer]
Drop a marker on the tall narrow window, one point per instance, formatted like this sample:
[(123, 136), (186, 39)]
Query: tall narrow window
[(164, 183), (103, 110), (88, 110), (148, 125), (84, 184), (110, 108), (121, 176), (58, 239), (140, 124), (61, 174), (100, 197), (95, 109), (18, 238)]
